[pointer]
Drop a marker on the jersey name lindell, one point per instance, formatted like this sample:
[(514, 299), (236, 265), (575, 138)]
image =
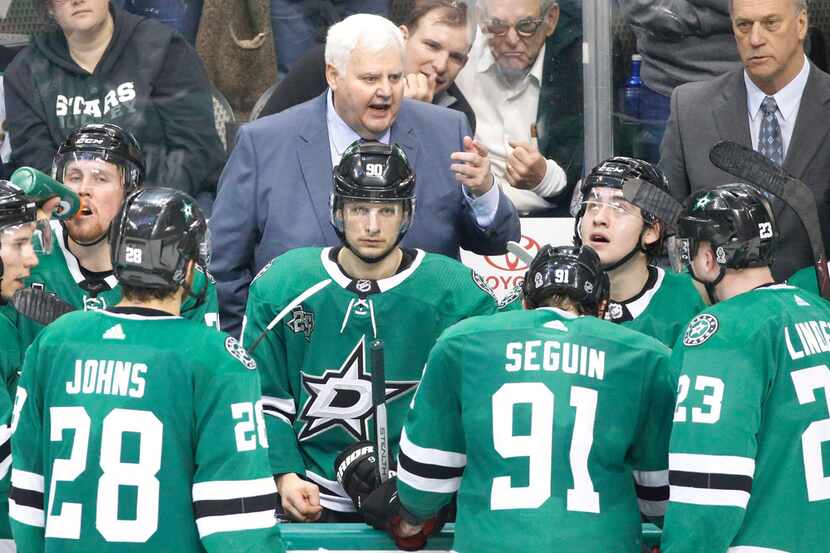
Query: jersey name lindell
[(811, 337)]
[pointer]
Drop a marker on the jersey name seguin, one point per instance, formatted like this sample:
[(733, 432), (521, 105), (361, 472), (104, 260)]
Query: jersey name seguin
[(553, 355), (95, 107)]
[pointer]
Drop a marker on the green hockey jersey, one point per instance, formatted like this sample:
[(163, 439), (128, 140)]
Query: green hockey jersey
[(805, 279), (139, 432), (60, 273), (750, 449), (542, 421), (10, 362), (662, 310), (314, 363)]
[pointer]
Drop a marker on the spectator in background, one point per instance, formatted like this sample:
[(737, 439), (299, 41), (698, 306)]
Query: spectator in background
[(680, 41), (97, 63), (438, 35), (778, 105), (182, 15), (299, 24), (274, 191), (525, 69)]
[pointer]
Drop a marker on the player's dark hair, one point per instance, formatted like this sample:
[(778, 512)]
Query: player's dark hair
[(452, 13), (143, 295), (562, 301)]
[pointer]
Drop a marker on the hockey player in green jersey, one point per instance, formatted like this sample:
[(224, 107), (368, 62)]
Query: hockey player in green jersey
[(541, 420), (805, 278), (18, 255), (124, 441), (748, 460), (102, 164), (627, 237), (313, 312)]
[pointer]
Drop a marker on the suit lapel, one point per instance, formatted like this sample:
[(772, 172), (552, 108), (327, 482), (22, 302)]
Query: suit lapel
[(730, 114), (314, 152), (811, 124), (403, 134)]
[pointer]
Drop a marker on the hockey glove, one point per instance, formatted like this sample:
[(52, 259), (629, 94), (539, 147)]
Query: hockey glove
[(383, 510), (357, 471)]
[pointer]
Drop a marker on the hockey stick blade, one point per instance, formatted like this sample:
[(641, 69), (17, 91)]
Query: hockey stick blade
[(39, 305), (524, 256), (753, 167), (379, 403)]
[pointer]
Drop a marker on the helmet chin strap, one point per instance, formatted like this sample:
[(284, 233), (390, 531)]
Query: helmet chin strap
[(608, 267), (92, 242), (710, 285)]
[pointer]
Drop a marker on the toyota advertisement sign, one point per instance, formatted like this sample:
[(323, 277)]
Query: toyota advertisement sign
[(503, 272)]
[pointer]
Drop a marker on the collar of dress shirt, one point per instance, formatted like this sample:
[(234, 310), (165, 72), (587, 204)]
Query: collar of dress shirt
[(788, 98), (341, 134), (486, 61)]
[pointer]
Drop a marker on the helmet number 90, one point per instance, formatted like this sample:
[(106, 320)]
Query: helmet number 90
[(374, 169)]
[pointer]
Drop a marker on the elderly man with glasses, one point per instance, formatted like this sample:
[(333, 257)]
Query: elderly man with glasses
[(523, 80)]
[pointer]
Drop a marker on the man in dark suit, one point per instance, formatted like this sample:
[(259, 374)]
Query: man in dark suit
[(779, 104), (274, 191), (438, 35)]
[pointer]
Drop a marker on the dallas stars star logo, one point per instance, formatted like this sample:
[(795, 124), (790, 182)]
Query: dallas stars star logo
[(703, 202), (343, 397)]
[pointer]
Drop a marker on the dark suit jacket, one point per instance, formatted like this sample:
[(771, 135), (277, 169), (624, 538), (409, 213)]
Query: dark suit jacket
[(705, 113), (307, 80), (274, 195)]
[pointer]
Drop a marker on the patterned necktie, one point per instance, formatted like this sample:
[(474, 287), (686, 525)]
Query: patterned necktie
[(770, 142)]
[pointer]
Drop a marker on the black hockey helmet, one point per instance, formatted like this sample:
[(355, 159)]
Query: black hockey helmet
[(614, 173), (16, 210), (154, 235), (103, 141), (374, 172), (736, 219), (575, 271)]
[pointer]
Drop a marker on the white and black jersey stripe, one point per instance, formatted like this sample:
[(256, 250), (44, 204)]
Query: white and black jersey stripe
[(332, 495), (429, 470), (5, 450), (231, 505), (652, 489), (723, 480), (26, 498), (283, 409)]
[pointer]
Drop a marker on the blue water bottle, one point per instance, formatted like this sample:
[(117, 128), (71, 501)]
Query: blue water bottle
[(631, 92)]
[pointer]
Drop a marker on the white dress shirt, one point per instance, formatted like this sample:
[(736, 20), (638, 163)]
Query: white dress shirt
[(505, 114), (341, 136), (788, 100)]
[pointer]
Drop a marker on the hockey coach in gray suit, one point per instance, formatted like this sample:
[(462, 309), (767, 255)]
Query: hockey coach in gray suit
[(779, 105), (274, 192)]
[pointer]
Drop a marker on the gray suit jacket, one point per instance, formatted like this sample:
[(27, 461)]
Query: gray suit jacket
[(707, 112), (274, 195)]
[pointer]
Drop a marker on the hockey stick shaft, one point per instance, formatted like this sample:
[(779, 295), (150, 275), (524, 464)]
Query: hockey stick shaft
[(755, 168), (379, 404)]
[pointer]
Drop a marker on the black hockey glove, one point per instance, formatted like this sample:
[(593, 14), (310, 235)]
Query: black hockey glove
[(357, 471), (383, 510)]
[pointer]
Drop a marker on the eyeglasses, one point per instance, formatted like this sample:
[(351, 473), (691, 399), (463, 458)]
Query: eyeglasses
[(526, 27)]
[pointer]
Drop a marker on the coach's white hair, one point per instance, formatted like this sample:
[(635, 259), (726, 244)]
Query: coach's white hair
[(372, 32)]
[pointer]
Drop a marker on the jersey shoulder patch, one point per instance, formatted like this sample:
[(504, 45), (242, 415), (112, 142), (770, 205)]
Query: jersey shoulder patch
[(700, 329), (239, 352), (481, 283)]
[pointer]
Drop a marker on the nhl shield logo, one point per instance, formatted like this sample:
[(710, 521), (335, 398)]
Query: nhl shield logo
[(700, 329)]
